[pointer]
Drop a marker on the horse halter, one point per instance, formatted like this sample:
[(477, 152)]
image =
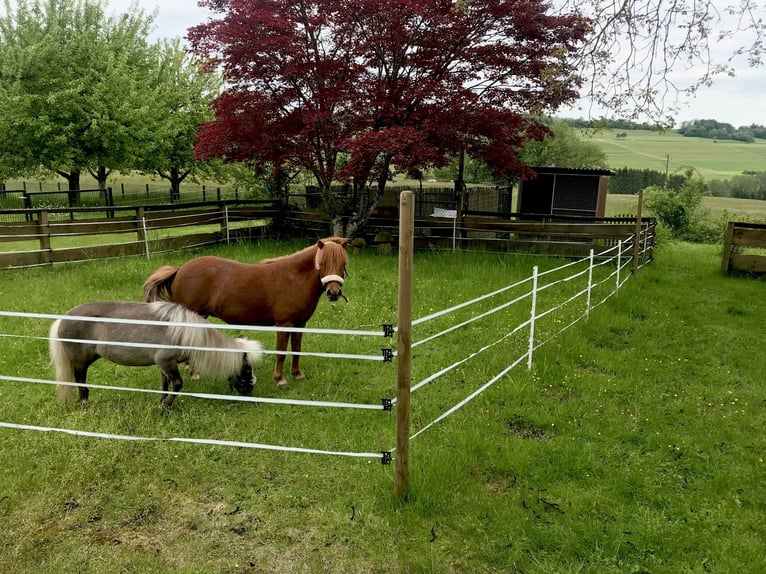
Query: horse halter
[(326, 279), (329, 279)]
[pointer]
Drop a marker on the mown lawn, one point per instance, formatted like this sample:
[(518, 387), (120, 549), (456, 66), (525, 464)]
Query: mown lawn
[(635, 443)]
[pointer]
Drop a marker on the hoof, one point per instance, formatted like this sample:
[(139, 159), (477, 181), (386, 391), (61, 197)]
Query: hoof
[(281, 383), (299, 376)]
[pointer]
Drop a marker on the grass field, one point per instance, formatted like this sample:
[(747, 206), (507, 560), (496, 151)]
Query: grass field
[(714, 159), (634, 444), (717, 208)]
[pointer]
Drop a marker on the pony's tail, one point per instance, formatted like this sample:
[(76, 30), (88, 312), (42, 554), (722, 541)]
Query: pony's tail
[(158, 286), (62, 364), (254, 350)]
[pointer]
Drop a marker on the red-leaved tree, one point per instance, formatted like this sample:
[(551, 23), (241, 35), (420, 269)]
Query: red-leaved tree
[(357, 90)]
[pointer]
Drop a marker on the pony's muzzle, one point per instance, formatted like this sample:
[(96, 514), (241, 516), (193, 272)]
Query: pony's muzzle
[(244, 382), (332, 285), (335, 294)]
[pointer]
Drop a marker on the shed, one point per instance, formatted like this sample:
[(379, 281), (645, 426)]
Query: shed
[(565, 191)]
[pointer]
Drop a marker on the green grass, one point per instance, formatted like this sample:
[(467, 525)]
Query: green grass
[(717, 208), (635, 444), (714, 159)]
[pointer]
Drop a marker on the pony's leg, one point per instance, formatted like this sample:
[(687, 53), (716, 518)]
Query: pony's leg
[(279, 377), (173, 378), (80, 376), (164, 383), (295, 346)]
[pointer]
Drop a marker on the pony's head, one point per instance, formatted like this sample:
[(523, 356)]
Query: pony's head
[(244, 381), (330, 262)]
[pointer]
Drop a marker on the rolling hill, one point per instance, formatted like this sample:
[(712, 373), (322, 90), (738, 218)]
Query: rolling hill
[(714, 159)]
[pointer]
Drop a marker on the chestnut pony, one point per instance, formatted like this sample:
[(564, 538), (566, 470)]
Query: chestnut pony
[(283, 291)]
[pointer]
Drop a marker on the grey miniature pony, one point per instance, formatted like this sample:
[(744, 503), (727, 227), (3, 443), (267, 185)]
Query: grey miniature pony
[(75, 344)]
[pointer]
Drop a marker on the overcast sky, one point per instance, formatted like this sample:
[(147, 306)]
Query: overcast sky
[(738, 100)]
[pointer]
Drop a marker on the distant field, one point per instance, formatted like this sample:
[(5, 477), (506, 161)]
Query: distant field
[(714, 159), (736, 209)]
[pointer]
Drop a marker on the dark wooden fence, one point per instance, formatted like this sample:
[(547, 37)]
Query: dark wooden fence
[(740, 235), (137, 196), (552, 235), (132, 226), (442, 223)]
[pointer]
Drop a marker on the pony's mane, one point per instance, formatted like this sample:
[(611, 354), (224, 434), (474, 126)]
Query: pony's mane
[(314, 249), (296, 254), (224, 362)]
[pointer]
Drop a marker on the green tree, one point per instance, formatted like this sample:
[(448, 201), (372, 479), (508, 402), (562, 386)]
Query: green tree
[(70, 94), (564, 148), (181, 91)]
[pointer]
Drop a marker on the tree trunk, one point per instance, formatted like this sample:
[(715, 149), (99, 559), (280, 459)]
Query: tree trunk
[(338, 227), (73, 181), (100, 176), (176, 178)]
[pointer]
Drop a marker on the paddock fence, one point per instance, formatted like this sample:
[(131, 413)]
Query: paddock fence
[(550, 235), (58, 235), (501, 330), (124, 194), (740, 235)]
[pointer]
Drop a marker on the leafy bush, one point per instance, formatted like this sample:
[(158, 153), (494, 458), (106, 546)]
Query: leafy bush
[(680, 210)]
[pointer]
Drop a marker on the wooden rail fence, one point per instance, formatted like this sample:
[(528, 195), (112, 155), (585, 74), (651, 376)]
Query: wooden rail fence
[(739, 235), (136, 223), (47, 234)]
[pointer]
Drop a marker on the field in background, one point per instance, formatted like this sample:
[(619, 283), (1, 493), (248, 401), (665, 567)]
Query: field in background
[(717, 207), (714, 159)]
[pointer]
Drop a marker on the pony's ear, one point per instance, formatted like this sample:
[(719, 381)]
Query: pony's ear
[(342, 241)]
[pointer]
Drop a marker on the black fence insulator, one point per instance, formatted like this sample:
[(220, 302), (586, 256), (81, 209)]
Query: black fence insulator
[(388, 330), (388, 355), (388, 404), (386, 459)]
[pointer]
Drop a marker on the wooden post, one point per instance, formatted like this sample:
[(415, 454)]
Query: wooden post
[(140, 228), (224, 211), (45, 236), (637, 239), (728, 244), (404, 341)]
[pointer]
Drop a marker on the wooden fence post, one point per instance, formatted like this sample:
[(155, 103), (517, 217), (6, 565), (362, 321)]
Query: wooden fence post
[(224, 215), (140, 227), (637, 238), (45, 236), (728, 244), (404, 341)]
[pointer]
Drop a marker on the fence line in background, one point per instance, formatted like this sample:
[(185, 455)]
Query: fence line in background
[(141, 222)]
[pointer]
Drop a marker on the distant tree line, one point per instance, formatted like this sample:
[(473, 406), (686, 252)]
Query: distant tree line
[(612, 124), (712, 129), (629, 181), (749, 185)]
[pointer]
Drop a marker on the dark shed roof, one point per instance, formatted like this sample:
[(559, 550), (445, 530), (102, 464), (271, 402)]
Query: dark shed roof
[(571, 170)]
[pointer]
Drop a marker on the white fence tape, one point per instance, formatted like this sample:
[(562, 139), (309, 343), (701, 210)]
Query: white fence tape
[(620, 255)]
